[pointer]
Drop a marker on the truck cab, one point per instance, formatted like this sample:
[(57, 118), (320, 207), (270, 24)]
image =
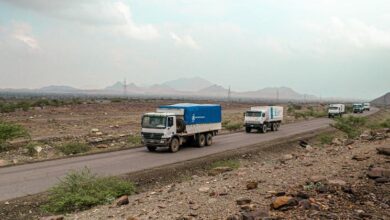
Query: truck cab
[(158, 128), (336, 110), (358, 108), (366, 106)]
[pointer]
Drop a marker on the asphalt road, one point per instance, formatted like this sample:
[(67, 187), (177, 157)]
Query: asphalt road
[(22, 180)]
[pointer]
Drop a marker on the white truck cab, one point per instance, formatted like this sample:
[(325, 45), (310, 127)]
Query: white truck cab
[(263, 118), (336, 110)]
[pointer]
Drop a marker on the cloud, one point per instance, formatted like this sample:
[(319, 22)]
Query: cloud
[(184, 40), (22, 32), (351, 32), (103, 15)]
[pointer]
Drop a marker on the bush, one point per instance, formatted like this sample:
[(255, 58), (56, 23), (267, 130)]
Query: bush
[(325, 139), (233, 126), (350, 125), (9, 131), (74, 148), (82, 190), (234, 164), (134, 139), (385, 123)]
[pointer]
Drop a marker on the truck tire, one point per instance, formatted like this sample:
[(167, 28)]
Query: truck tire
[(209, 139), (274, 126), (151, 148), (248, 129), (201, 141), (277, 124), (263, 128), (174, 145)]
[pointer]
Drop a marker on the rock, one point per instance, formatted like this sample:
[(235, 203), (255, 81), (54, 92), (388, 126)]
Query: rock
[(251, 185), (243, 201), (377, 172), (218, 170), (204, 189), (54, 217), (348, 142), (383, 150), (305, 204), (286, 157), (254, 215), (337, 182), (248, 207), (303, 195), (131, 218), (360, 157), (309, 148), (317, 178), (123, 200), (15, 161), (303, 143), (3, 163), (337, 141), (94, 130), (382, 180), (99, 133), (280, 202)]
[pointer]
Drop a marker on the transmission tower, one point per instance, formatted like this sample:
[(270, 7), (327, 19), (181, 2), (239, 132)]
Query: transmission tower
[(124, 87)]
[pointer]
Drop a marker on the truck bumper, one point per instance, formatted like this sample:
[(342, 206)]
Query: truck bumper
[(156, 142), (256, 126)]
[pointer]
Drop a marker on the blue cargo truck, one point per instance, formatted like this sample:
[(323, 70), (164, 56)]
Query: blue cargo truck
[(173, 125)]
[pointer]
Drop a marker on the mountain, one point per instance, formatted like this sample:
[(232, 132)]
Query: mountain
[(59, 89), (118, 88), (382, 101), (158, 89), (188, 84), (275, 93), (214, 90)]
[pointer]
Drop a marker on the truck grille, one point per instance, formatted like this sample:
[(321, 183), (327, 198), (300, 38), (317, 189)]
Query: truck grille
[(152, 135)]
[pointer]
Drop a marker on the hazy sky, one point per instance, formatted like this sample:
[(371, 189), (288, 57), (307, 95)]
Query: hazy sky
[(322, 47)]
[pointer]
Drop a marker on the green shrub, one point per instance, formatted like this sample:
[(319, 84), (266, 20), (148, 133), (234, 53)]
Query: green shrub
[(10, 131), (350, 125), (233, 126), (134, 139), (25, 106), (82, 190), (31, 149), (232, 163), (325, 138), (74, 148), (385, 123)]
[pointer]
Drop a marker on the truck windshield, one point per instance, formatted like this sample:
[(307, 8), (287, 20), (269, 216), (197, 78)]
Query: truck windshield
[(333, 108), (357, 106), (154, 121), (253, 114)]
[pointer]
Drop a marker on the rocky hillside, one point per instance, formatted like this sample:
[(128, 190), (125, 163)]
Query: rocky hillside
[(382, 101)]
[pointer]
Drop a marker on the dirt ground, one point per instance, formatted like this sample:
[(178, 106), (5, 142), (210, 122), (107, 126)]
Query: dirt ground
[(324, 181), (102, 124)]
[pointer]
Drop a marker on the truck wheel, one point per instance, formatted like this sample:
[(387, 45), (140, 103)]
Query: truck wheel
[(201, 140), (248, 129), (277, 126), (175, 145), (209, 139), (274, 127), (263, 129), (151, 148)]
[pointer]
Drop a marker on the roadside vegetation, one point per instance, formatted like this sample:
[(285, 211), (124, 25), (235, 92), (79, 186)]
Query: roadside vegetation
[(298, 111), (25, 105), (232, 125), (83, 190), (325, 138), (72, 148), (10, 131), (231, 163), (352, 126), (134, 139)]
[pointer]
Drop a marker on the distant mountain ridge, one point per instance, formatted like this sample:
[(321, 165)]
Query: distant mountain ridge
[(383, 100), (194, 87)]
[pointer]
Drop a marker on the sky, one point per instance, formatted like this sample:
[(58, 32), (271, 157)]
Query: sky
[(328, 48)]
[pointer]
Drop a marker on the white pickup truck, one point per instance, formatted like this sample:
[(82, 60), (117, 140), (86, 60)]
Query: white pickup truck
[(263, 118)]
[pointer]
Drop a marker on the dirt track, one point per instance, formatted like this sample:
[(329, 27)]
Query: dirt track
[(28, 179)]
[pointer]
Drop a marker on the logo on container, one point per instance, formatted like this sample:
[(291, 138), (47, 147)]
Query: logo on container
[(194, 117)]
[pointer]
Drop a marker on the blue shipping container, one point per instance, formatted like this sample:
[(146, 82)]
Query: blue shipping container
[(198, 113)]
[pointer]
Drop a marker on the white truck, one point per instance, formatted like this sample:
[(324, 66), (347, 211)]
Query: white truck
[(173, 125), (263, 118), (336, 110), (366, 106)]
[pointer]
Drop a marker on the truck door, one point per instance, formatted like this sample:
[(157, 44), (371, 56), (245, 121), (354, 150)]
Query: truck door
[(171, 126)]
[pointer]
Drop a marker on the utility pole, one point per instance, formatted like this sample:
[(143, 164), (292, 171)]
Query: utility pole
[(229, 94), (124, 87)]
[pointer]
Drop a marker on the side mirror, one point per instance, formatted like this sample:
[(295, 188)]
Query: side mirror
[(263, 115), (170, 122)]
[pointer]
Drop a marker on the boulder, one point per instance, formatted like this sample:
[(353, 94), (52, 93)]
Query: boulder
[(280, 201), (383, 150), (377, 172), (251, 185), (204, 189), (3, 163), (286, 157), (123, 200), (54, 217), (360, 157), (317, 178), (337, 182), (243, 201)]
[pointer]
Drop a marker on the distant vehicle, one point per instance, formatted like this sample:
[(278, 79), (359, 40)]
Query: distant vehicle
[(336, 110), (366, 106), (263, 118), (173, 125), (358, 108)]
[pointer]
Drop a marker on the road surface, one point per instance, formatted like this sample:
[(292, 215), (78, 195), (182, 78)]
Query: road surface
[(27, 179)]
